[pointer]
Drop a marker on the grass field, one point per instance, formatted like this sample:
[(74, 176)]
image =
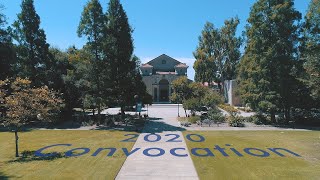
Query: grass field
[(306, 144), (82, 167)]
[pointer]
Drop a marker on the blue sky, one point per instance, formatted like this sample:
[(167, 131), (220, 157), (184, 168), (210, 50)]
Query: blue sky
[(169, 27)]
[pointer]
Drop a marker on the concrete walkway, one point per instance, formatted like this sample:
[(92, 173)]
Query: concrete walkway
[(167, 166)]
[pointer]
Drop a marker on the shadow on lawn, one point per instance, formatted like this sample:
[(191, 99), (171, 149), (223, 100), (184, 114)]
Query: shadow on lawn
[(6, 129), (28, 156), (297, 126), (4, 176), (128, 128), (152, 125)]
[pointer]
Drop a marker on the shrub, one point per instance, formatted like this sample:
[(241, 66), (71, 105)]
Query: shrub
[(191, 119), (230, 109), (207, 121), (236, 121), (211, 99), (248, 119), (306, 117), (194, 119), (215, 115), (192, 104), (88, 123), (260, 119)]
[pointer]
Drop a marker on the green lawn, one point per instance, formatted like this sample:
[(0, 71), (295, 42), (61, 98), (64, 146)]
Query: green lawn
[(83, 167), (306, 144)]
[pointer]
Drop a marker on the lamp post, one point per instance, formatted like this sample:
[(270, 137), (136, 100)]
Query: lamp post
[(136, 99), (148, 110), (178, 103), (178, 110)]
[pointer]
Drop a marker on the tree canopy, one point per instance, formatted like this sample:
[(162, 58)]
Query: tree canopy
[(311, 53), (217, 54), (34, 60), (265, 77)]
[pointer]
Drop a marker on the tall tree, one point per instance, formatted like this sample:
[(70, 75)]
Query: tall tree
[(77, 84), (137, 85), (7, 55), (92, 25), (217, 54), (230, 57), (59, 68), (204, 66), (311, 52), (118, 49), (33, 50), (265, 70)]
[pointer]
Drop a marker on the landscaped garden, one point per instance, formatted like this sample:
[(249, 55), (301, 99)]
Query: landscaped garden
[(301, 161), (265, 164), (52, 98)]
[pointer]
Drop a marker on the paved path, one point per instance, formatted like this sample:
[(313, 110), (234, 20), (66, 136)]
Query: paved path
[(167, 166)]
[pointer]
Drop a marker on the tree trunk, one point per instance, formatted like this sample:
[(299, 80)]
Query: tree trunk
[(93, 112), (273, 117), (17, 138), (83, 112), (99, 113), (287, 114), (122, 112), (99, 95)]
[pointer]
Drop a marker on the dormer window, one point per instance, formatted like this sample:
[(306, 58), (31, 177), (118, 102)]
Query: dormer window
[(164, 62)]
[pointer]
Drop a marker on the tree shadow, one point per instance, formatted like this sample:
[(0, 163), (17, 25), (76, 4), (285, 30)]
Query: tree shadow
[(128, 128), (297, 126), (133, 125), (28, 156), (154, 126), (154, 119), (21, 129), (4, 176)]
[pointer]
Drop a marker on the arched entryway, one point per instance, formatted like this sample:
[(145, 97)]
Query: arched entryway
[(164, 90)]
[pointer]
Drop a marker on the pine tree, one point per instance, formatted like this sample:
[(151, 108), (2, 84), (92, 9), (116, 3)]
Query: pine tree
[(265, 76), (92, 25), (118, 48), (33, 50)]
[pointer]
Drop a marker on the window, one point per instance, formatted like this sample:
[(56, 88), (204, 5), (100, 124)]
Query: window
[(164, 62)]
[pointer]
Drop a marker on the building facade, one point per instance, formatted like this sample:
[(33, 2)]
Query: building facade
[(158, 75)]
